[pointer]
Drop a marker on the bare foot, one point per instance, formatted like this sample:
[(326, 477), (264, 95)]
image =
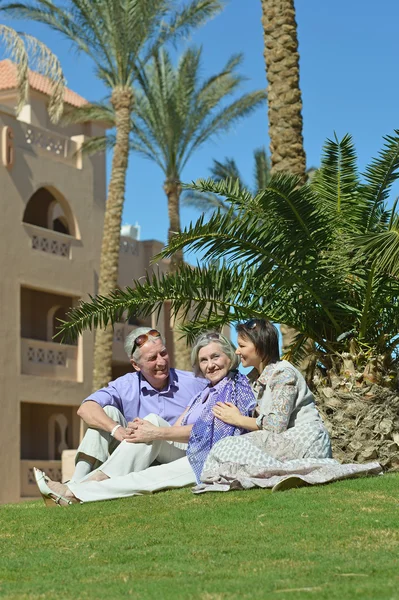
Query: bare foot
[(61, 489), (97, 476)]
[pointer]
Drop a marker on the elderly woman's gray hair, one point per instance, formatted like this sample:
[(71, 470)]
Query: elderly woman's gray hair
[(208, 337), (132, 337)]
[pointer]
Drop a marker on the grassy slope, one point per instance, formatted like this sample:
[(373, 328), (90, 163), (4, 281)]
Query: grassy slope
[(336, 541)]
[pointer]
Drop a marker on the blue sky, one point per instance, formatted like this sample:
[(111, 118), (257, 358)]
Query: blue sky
[(349, 63)]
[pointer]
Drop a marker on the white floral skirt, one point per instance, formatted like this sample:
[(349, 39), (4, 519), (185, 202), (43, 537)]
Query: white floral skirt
[(264, 459), (310, 440)]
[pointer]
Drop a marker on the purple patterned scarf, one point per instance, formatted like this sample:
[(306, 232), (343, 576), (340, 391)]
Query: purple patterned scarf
[(207, 430)]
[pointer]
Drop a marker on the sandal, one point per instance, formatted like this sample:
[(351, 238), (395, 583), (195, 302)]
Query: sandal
[(50, 497), (290, 482)]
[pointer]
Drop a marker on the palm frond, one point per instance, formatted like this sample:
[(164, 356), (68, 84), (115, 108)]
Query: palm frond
[(204, 202), (225, 118), (295, 254), (95, 112), (95, 144), (337, 182), (182, 21), (25, 50), (380, 176), (262, 169), (383, 248), (175, 113)]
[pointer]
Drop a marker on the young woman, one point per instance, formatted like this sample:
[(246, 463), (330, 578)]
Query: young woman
[(288, 425), (127, 472)]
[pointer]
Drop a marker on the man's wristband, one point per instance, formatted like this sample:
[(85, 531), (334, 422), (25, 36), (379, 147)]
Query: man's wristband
[(114, 429)]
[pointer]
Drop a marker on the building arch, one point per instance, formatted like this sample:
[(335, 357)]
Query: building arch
[(56, 313), (57, 435), (49, 209)]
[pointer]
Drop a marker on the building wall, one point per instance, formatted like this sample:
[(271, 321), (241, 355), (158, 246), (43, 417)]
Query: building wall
[(43, 270), (43, 273)]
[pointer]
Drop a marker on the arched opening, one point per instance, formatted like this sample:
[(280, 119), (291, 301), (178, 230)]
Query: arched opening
[(54, 316), (57, 435), (60, 224), (47, 209)]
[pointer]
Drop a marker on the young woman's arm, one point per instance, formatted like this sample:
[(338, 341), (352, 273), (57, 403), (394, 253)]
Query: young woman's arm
[(229, 413), (276, 415)]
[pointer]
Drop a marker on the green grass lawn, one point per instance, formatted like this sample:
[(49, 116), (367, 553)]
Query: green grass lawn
[(335, 541)]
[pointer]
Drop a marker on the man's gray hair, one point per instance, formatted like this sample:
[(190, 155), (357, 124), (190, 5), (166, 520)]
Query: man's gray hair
[(132, 337), (206, 338)]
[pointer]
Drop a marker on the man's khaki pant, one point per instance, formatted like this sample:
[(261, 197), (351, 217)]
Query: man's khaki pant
[(130, 473)]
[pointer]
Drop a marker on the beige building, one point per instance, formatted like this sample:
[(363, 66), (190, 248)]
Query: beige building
[(52, 203)]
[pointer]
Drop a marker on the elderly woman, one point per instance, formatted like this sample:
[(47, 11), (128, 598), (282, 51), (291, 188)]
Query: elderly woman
[(288, 425), (128, 472)]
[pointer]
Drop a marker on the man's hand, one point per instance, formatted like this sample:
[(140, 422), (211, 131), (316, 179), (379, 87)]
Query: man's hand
[(123, 433), (228, 413), (142, 432)]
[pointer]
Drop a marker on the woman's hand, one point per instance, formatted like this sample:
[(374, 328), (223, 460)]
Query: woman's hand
[(142, 432), (228, 413)]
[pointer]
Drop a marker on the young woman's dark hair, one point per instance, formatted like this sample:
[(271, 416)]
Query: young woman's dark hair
[(263, 335)]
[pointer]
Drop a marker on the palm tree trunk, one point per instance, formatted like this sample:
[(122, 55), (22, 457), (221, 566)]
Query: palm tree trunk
[(284, 97), (172, 190), (122, 101), (172, 187)]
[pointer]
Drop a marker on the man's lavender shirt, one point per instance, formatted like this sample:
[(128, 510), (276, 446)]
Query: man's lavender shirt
[(134, 397)]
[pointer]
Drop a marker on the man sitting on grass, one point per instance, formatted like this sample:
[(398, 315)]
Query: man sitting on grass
[(153, 387)]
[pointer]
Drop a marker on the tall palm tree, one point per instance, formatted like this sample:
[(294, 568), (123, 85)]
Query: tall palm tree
[(28, 52), (176, 113), (119, 37), (284, 96)]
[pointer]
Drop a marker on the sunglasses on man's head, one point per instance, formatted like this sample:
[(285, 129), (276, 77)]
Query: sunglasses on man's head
[(143, 338), (251, 324)]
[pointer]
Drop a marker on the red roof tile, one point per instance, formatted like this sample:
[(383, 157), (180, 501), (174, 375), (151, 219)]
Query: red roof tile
[(40, 83)]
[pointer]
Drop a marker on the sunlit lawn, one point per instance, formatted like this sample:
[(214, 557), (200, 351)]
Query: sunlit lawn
[(335, 541)]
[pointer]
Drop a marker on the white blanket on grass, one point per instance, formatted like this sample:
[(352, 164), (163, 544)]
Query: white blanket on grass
[(312, 471)]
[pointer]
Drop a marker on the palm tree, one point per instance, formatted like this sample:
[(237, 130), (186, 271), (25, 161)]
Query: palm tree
[(284, 96), (119, 37), (228, 170), (322, 257), (176, 113), (27, 51)]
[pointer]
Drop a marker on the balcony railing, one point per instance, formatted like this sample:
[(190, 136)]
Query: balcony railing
[(49, 241), (52, 468), (50, 143), (129, 246), (47, 359)]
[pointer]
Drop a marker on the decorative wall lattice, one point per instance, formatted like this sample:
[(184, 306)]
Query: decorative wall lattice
[(52, 246), (47, 356), (54, 473), (129, 247), (57, 146)]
